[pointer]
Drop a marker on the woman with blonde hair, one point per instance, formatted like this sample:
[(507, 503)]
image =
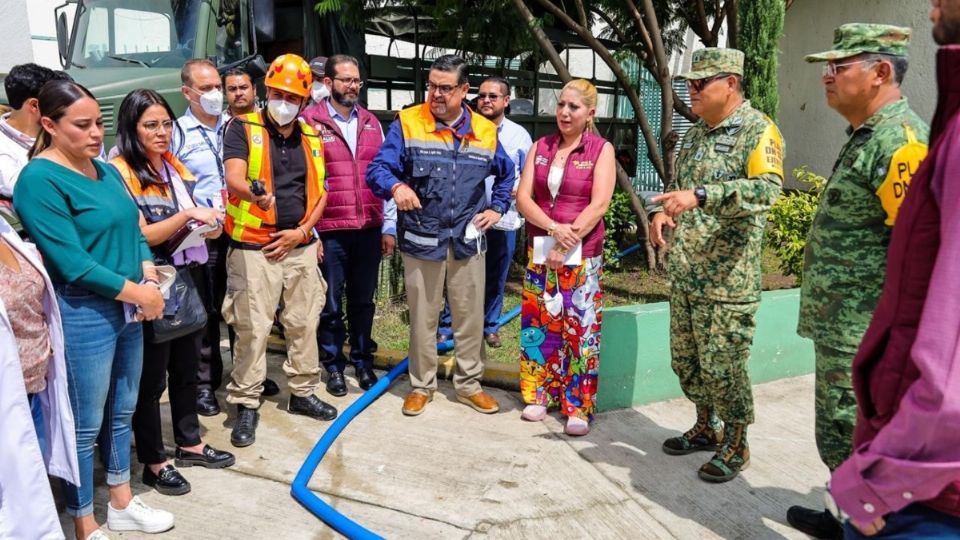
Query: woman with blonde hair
[(565, 189)]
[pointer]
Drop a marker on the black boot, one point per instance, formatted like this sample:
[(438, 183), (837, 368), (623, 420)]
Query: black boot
[(820, 524), (245, 428), (705, 435), (311, 406), (733, 456), (336, 384)]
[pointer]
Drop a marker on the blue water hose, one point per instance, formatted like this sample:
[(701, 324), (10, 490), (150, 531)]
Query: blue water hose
[(317, 506)]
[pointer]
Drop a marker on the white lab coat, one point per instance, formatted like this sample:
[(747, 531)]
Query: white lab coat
[(26, 503)]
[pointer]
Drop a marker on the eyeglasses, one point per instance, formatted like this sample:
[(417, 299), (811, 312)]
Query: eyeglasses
[(831, 69), (154, 126), (350, 82), (697, 85), (491, 97), (442, 89)]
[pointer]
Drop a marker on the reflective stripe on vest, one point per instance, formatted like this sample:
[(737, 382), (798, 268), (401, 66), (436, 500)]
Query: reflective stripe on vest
[(247, 222)]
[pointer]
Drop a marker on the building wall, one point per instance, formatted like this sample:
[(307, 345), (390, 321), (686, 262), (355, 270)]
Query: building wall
[(814, 133), (15, 29)]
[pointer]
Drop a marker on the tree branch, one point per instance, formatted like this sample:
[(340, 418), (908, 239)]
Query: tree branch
[(542, 40)]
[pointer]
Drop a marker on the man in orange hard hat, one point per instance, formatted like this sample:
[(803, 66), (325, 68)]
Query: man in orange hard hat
[(275, 177)]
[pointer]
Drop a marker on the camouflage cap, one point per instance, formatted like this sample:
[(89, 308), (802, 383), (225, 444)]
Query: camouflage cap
[(714, 61), (857, 38)]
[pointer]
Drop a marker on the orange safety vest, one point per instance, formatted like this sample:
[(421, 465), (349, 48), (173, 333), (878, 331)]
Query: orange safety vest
[(248, 223)]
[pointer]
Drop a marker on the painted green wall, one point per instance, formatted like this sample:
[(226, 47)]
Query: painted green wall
[(635, 350)]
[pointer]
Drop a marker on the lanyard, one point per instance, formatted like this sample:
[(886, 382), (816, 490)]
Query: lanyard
[(216, 155)]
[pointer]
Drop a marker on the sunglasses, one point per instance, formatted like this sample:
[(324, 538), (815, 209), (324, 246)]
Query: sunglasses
[(698, 85)]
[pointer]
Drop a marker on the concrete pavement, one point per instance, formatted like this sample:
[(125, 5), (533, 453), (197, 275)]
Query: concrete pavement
[(454, 473)]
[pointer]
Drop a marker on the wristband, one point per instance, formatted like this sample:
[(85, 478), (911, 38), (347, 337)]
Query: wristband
[(552, 228), (396, 187), (152, 281), (303, 232)]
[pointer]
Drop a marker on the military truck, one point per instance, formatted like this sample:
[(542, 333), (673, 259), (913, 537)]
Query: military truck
[(115, 46)]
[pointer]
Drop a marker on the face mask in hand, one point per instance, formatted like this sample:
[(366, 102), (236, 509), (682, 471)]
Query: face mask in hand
[(211, 102), (283, 112), (319, 91)]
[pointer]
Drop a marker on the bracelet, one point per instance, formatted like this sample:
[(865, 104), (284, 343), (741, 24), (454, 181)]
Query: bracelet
[(396, 187), (152, 281), (303, 232), (552, 228)]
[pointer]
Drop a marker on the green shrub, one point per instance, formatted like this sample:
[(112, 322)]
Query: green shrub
[(790, 219), (619, 222)]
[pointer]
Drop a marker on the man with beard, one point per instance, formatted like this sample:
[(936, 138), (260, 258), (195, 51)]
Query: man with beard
[(492, 101), (240, 91), (351, 241), (434, 163), (903, 478), (275, 176)]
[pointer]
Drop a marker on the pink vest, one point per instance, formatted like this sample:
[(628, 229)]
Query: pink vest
[(574, 194), (350, 203)]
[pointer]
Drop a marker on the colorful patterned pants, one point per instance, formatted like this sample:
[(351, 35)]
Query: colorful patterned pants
[(560, 336)]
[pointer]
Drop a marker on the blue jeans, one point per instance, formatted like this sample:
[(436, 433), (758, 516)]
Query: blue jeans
[(104, 358), (911, 523), (500, 247), (351, 263)]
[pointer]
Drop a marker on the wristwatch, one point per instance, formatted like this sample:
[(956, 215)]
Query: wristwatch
[(496, 208), (701, 193)]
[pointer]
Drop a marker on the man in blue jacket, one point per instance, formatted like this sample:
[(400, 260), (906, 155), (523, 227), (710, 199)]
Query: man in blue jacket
[(433, 163)]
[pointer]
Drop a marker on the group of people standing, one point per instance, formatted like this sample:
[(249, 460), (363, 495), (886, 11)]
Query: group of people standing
[(300, 200)]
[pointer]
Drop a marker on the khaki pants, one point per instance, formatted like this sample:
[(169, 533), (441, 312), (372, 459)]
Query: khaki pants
[(255, 286), (465, 281)]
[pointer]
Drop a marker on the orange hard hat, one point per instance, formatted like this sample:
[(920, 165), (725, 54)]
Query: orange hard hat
[(290, 73)]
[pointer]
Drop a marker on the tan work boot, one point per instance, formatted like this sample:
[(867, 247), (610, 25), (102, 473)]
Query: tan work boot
[(733, 456), (705, 435)]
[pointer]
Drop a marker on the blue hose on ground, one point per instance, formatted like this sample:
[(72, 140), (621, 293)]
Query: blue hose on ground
[(317, 506)]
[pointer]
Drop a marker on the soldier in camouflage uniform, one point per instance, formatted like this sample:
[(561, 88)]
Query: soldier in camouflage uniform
[(729, 173), (846, 252)]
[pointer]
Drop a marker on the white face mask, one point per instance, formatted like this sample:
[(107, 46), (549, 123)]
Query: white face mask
[(319, 91), (211, 102), (283, 112)]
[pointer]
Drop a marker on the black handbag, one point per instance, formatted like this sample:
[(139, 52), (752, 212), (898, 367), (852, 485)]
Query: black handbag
[(184, 312)]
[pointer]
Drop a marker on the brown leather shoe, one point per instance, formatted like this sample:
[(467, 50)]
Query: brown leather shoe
[(481, 402), (493, 340), (415, 402)]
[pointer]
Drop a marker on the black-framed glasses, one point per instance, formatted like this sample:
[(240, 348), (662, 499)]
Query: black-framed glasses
[(154, 126), (350, 82), (442, 89), (698, 85), (491, 96)]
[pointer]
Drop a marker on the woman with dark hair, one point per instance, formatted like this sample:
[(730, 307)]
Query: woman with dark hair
[(565, 189), (80, 217), (162, 189)]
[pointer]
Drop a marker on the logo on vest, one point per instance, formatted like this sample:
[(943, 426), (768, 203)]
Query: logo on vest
[(328, 138), (582, 165), (541, 160), (257, 139), (316, 153)]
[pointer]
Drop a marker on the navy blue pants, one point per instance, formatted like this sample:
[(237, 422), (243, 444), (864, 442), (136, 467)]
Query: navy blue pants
[(500, 247), (350, 266), (911, 523)]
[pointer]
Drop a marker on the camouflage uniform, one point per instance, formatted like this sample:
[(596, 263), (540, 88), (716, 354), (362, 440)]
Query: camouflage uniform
[(846, 251), (714, 265)]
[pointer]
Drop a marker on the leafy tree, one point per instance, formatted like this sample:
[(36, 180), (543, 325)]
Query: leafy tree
[(761, 25)]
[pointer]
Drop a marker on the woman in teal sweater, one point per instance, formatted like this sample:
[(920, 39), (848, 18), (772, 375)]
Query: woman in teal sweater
[(86, 227)]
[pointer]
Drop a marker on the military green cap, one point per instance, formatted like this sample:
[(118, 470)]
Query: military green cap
[(713, 61), (857, 38)]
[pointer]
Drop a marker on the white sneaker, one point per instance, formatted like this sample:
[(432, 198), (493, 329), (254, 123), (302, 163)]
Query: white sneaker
[(97, 535), (138, 517)]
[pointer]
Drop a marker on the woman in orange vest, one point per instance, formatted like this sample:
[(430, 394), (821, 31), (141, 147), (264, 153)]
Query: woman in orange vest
[(162, 188)]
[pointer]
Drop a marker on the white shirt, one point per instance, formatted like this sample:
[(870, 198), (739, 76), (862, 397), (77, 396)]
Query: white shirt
[(516, 143), (14, 146)]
